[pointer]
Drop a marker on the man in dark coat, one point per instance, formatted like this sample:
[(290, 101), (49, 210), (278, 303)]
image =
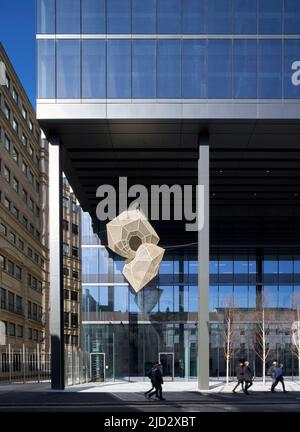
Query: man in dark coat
[(239, 376), (278, 378), (151, 377), (157, 381), (248, 375)]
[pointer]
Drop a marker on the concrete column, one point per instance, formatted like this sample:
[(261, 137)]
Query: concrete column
[(56, 267), (203, 263)]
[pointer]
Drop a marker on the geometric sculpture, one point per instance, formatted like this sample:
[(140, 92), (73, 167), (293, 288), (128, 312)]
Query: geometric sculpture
[(131, 236), (144, 267)]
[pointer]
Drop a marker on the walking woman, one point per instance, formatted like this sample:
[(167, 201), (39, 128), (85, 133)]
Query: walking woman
[(239, 376), (248, 375)]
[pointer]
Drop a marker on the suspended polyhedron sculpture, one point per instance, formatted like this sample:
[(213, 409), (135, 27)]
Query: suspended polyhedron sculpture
[(131, 235)]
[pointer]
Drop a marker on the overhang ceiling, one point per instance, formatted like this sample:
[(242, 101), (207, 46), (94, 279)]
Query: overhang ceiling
[(254, 165)]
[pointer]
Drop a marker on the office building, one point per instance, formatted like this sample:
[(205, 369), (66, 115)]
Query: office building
[(24, 254), (177, 92)]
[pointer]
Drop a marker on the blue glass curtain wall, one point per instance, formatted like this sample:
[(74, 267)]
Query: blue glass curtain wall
[(168, 16), (168, 69)]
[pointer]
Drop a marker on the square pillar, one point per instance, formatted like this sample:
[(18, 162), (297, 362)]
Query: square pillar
[(56, 267), (203, 263)]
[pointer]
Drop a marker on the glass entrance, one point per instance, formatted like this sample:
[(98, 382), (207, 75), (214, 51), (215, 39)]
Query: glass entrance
[(167, 362), (97, 364)]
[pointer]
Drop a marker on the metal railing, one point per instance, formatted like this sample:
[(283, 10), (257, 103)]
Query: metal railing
[(24, 365)]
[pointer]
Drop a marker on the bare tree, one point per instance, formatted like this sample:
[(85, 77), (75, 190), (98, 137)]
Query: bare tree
[(295, 329), (261, 342), (229, 333)]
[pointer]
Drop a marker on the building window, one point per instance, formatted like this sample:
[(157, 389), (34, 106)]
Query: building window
[(75, 274), (66, 271), (38, 235), (15, 212), (7, 112), (3, 230), (75, 229), (68, 69), (65, 224), (30, 124), (118, 69), (31, 204), (74, 320), (74, 207), (66, 319), (11, 302), (7, 81), (29, 252), (24, 140), (67, 339), (46, 69), (12, 329), (169, 16), (2, 262), (270, 69), (66, 294), (10, 267), (193, 69), (74, 296), (19, 305), (24, 113), (74, 251), (34, 311), (68, 16), (93, 69), (15, 95), (25, 221), (144, 69), (7, 174), (7, 143), (65, 202), (15, 155), (37, 212), (93, 16), (24, 169), (36, 258), (21, 244), (74, 340), (193, 17), (270, 16), (219, 69), (30, 151), (13, 237), (144, 16), (31, 228), (118, 16), (2, 298), (169, 69), (7, 203), (37, 187), (30, 333), (15, 126), (15, 185), (35, 335), (24, 195), (65, 248), (20, 331)]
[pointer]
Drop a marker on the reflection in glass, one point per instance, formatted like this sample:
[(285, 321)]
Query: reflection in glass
[(245, 69), (45, 16), (93, 16), (68, 16), (168, 69), (219, 69), (68, 69), (291, 16), (219, 16), (193, 16), (244, 17), (291, 54), (193, 69), (118, 16), (46, 69), (144, 69), (119, 69), (285, 296), (213, 298), (93, 69), (168, 16), (143, 16), (269, 69), (226, 299), (270, 16), (270, 296)]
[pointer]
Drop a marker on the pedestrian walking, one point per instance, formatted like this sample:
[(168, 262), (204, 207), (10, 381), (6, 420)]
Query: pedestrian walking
[(248, 376), (271, 372), (239, 376), (150, 375), (157, 381), (278, 378)]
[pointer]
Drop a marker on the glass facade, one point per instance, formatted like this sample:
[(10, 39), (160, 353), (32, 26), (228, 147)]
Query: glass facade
[(133, 330), (216, 49)]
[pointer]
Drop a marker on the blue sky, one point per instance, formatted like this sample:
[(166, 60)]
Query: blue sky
[(17, 34)]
